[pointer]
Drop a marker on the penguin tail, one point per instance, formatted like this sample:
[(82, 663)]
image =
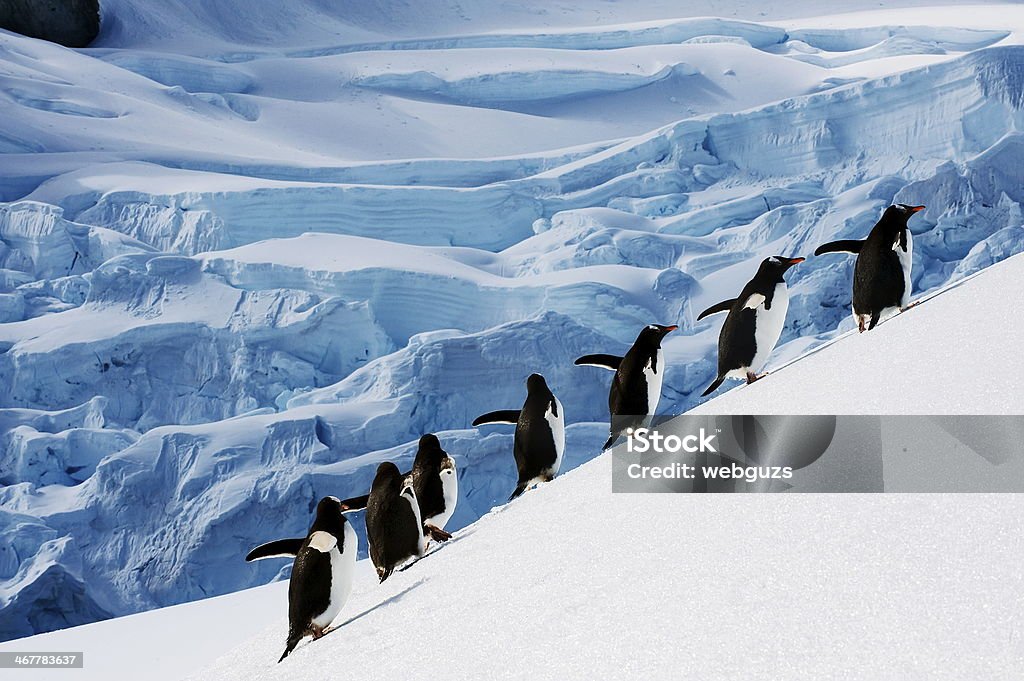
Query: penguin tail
[(608, 443), (293, 640), (714, 386), (520, 488)]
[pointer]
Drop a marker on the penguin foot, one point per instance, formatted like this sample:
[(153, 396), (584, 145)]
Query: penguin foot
[(913, 304), (860, 325), (316, 632), (436, 533), (751, 377)]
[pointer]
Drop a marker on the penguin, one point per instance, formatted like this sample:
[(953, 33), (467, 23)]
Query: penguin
[(321, 579), (394, 527), (636, 387), (436, 485), (881, 276), (539, 441), (754, 323)]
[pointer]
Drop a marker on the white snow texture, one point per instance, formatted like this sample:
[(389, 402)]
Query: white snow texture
[(251, 249)]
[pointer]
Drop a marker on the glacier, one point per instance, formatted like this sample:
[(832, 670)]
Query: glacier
[(239, 271)]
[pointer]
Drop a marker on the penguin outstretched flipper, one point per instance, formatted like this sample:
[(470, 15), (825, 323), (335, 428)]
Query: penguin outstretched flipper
[(282, 548), (500, 416), (600, 360), (723, 306), (714, 386), (355, 503), (843, 246)]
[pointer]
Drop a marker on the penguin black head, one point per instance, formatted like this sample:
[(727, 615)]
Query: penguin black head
[(430, 452), (429, 441), (329, 516), (893, 223), (652, 334), (387, 472), (536, 383), (901, 211), (773, 268)]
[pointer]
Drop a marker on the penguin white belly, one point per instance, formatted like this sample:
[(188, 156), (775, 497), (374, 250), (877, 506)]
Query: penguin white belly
[(653, 378), (906, 262), (411, 498), (557, 426), (450, 492), (343, 566), (768, 327)]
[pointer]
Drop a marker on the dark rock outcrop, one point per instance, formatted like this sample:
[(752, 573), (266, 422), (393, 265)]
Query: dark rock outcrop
[(72, 23)]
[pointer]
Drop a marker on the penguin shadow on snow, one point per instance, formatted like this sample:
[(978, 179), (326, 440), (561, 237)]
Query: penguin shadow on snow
[(393, 598), (435, 548)]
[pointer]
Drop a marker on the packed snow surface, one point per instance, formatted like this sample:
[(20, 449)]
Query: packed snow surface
[(885, 586), (249, 250)]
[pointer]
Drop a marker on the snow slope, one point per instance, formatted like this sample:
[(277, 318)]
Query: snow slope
[(952, 354), (882, 586), (164, 644), (575, 582), (248, 252)]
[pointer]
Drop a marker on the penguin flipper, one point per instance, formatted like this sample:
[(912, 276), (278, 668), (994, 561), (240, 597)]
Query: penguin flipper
[(723, 306), (355, 503), (714, 386), (282, 548), (500, 416), (843, 246), (603, 361)]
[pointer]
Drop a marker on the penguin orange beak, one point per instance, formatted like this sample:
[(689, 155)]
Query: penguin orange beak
[(796, 261), (917, 209), (671, 328)]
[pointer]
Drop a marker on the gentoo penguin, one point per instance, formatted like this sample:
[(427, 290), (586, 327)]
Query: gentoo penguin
[(321, 578), (636, 387), (436, 485), (394, 528), (754, 323), (539, 441), (881, 277)]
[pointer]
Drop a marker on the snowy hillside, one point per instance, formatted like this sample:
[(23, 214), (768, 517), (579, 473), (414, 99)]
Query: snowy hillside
[(663, 586), (247, 253), (835, 588)]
